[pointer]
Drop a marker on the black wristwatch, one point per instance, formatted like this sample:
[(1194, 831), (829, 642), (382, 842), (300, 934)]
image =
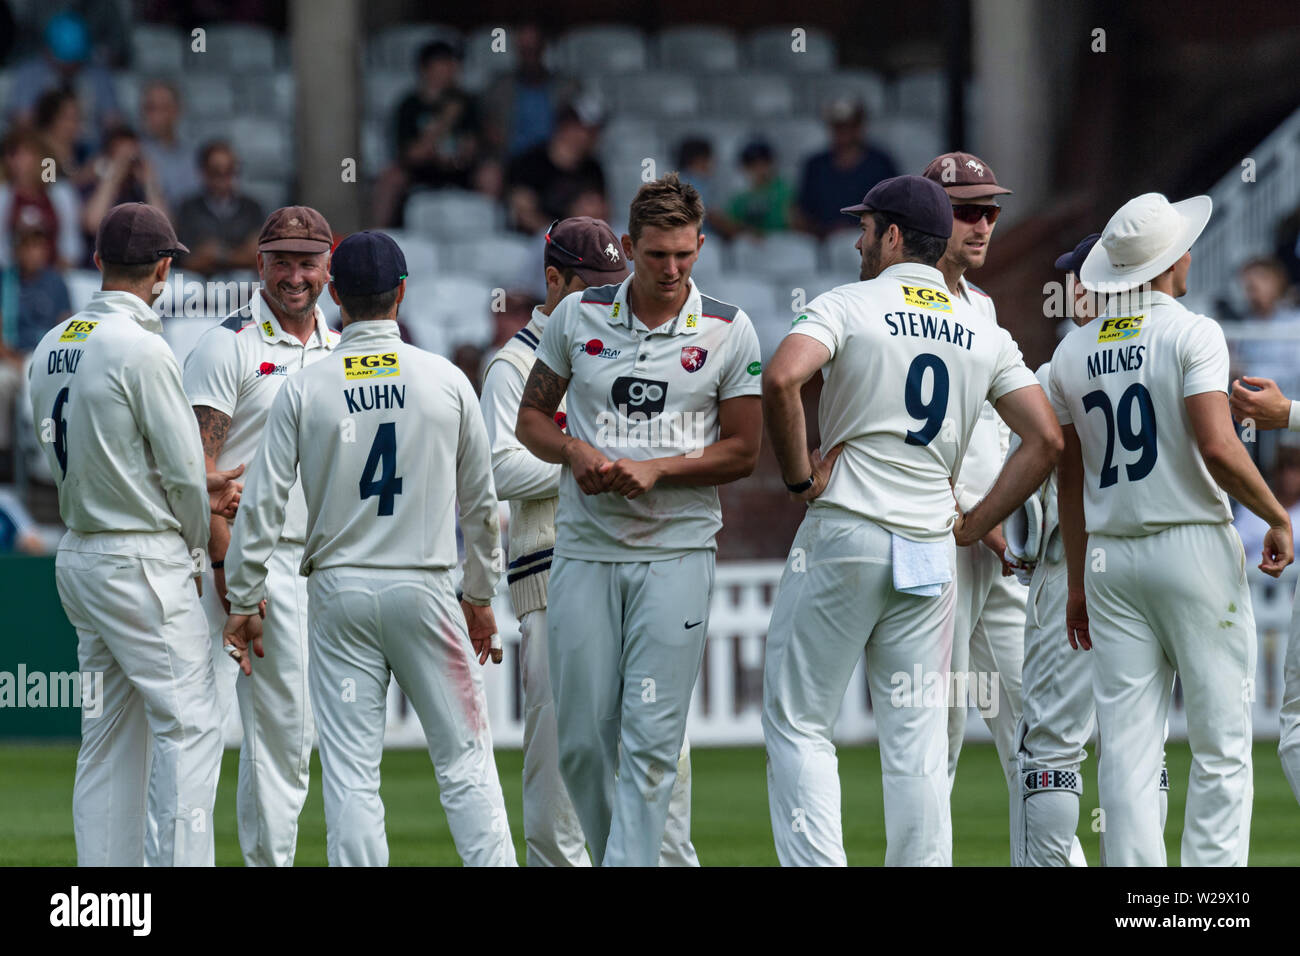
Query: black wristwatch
[(218, 565), (801, 487)]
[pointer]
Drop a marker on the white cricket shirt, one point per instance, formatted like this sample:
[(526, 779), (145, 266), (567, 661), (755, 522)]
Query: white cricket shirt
[(638, 393), (237, 368), (116, 427), (911, 368), (1121, 380), (990, 441), (387, 438)]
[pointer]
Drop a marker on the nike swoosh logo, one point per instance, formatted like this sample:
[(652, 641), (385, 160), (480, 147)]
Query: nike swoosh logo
[(689, 625)]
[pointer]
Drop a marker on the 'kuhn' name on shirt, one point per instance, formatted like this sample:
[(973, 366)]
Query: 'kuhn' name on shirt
[(370, 398), (920, 325)]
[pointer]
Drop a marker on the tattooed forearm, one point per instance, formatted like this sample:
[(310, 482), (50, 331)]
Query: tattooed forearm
[(544, 389), (213, 426)]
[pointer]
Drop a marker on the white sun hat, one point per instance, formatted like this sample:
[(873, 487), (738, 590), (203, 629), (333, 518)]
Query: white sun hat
[(1145, 237)]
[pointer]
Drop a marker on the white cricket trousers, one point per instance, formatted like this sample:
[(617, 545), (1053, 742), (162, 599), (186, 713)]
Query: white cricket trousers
[(1288, 745), (367, 624), (837, 596), (1055, 725), (274, 709), (552, 833), (154, 750), (988, 639), (623, 667), (1173, 601)]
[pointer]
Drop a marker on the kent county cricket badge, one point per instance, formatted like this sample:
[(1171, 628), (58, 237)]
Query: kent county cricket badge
[(693, 358)]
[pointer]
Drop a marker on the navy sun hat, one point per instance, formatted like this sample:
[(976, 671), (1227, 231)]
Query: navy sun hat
[(1072, 261), (367, 263)]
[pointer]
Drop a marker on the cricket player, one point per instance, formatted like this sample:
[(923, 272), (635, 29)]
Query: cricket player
[(116, 429), (1156, 572), (580, 252), (989, 633), (232, 376), (907, 367), (1259, 400), (662, 388), (388, 438)]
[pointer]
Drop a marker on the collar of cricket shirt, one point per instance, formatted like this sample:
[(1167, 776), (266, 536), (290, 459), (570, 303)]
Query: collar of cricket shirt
[(271, 330), (377, 331), (128, 304), (685, 322), (916, 272)]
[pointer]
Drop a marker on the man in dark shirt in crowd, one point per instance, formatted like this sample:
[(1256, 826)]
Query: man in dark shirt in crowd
[(543, 182), (220, 224), (849, 168)]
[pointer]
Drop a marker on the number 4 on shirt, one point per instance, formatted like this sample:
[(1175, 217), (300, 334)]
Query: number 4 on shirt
[(383, 455)]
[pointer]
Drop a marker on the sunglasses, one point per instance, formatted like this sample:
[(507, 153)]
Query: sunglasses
[(972, 212), (559, 248)]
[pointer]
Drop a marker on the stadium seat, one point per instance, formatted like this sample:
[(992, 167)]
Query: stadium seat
[(794, 139), (752, 292), (384, 89), (507, 261), (451, 214), (752, 94), (480, 58), (818, 92), (158, 49), (265, 94), (207, 95), (772, 48), (182, 333), (654, 94), (702, 49), (376, 148), (264, 145), (783, 255), (127, 87), (82, 284), (630, 135), (396, 47), (238, 47), (842, 260), (421, 252), (912, 142), (603, 49), (270, 193), (714, 261), (449, 312), (922, 94)]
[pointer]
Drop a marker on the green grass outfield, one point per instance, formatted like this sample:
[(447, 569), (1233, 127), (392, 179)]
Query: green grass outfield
[(730, 822)]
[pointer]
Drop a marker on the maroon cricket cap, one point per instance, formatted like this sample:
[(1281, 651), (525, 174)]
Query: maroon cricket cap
[(135, 233), (964, 176), (587, 246), (295, 229)]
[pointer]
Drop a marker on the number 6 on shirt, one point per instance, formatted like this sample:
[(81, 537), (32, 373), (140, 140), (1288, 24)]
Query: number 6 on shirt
[(383, 452)]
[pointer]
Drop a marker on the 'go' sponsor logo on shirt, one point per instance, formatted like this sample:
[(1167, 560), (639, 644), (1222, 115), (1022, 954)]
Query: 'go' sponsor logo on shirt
[(1120, 328), (77, 331), (380, 365), (927, 298), (633, 395)]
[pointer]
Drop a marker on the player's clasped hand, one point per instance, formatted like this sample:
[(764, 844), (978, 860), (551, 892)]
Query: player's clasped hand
[(630, 478), (1279, 550), (1076, 620), (482, 624), (224, 491), (586, 463), (242, 632)]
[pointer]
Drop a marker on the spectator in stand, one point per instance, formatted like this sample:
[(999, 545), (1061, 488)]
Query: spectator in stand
[(122, 174), (437, 130), (33, 299), (18, 533), (1264, 283), (172, 160), (27, 199), (849, 168), (542, 183), (764, 206), (220, 225), (1285, 482), (58, 121), (695, 165), (64, 64), (520, 107)]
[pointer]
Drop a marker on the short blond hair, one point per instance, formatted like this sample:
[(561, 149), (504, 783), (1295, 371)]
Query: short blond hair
[(666, 203)]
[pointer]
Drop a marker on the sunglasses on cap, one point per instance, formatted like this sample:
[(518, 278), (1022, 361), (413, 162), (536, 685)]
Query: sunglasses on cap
[(970, 212), (559, 248)]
